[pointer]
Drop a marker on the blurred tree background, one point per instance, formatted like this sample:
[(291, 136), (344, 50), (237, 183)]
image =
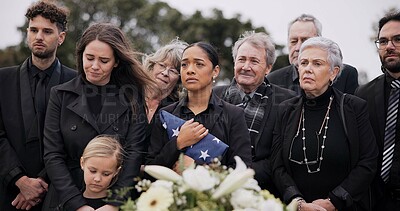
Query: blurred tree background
[(149, 24)]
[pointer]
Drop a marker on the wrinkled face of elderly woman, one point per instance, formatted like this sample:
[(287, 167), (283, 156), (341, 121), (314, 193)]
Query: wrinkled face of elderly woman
[(314, 71)]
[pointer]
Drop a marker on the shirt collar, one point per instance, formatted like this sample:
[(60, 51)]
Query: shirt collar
[(212, 103), (389, 79), (35, 70)]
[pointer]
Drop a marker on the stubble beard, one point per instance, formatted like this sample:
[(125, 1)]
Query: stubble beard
[(43, 54), (391, 66)]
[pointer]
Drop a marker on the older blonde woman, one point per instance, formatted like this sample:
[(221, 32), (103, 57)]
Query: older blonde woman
[(164, 65), (324, 150)]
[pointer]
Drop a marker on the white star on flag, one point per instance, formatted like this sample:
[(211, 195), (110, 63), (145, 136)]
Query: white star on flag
[(209, 147), (204, 155), (216, 140), (176, 132)]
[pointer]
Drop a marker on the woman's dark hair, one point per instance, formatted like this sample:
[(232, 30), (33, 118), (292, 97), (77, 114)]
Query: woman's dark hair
[(209, 50), (129, 75)]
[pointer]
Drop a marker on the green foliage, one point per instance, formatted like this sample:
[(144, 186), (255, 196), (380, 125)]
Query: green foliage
[(149, 25)]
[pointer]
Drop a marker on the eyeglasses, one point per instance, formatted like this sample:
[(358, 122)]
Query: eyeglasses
[(169, 69), (383, 42)]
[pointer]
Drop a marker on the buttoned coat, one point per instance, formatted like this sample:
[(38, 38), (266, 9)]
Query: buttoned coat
[(20, 151), (70, 125)]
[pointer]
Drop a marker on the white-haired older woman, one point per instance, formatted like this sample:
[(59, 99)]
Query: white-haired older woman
[(324, 150)]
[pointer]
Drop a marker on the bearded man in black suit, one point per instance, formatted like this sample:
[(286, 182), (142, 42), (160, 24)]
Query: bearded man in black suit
[(382, 94), (24, 92)]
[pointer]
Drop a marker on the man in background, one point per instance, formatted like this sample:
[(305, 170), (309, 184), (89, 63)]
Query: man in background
[(382, 95), (24, 92), (301, 29)]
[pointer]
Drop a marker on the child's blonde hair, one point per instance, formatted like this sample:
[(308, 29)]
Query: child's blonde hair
[(104, 146)]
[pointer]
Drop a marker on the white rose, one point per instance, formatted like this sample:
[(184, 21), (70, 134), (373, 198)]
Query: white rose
[(252, 184), (242, 199), (164, 184), (199, 179)]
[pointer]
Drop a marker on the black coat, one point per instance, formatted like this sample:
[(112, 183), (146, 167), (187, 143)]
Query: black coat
[(346, 82), (21, 154), (263, 143), (227, 126), (70, 125), (362, 148)]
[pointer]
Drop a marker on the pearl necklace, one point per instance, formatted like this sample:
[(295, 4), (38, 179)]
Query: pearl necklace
[(320, 154)]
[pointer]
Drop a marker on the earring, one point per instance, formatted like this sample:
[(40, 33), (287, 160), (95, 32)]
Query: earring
[(330, 83), (214, 79)]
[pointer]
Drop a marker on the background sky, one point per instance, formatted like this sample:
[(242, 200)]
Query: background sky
[(347, 22)]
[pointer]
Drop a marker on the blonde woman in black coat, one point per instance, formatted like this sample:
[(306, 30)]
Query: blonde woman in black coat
[(324, 150)]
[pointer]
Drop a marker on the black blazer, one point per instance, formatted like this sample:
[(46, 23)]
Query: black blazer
[(362, 148), (20, 153), (346, 82), (70, 125), (263, 143), (227, 125), (374, 93)]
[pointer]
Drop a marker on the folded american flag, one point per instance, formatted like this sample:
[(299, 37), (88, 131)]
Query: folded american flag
[(203, 151)]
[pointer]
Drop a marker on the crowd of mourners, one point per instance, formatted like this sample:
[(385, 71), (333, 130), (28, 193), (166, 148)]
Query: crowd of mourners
[(309, 131)]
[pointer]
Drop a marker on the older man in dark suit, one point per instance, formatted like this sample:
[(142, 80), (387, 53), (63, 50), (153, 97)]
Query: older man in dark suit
[(254, 55), (24, 92), (382, 95), (301, 29)]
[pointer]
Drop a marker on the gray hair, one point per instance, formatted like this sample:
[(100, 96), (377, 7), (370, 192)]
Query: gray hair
[(334, 53), (259, 40), (308, 18), (172, 51)]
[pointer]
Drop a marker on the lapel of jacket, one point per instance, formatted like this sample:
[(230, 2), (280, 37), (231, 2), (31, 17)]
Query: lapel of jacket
[(218, 108), (292, 124), (379, 115), (267, 109), (55, 78), (27, 105), (113, 108), (80, 105)]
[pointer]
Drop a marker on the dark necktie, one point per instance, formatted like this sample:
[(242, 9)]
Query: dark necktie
[(245, 100), (390, 130), (40, 100)]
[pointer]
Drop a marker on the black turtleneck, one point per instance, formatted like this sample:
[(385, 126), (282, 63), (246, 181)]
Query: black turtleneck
[(335, 165), (96, 96)]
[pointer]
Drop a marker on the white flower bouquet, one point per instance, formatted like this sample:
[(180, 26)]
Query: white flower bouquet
[(211, 187)]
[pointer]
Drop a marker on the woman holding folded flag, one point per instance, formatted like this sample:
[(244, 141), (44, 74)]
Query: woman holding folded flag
[(209, 122)]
